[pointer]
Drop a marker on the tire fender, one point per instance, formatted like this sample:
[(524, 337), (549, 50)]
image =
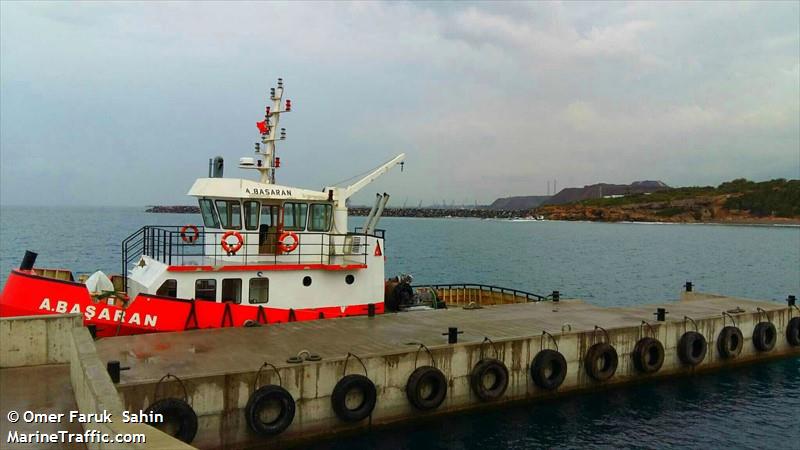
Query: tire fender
[(692, 348), (261, 399), (648, 355), (601, 361), (549, 368), (481, 371), (765, 336), (729, 342), (432, 378), (347, 385), (793, 332), (177, 413)]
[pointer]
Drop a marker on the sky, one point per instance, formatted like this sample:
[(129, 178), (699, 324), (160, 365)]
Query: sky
[(111, 103)]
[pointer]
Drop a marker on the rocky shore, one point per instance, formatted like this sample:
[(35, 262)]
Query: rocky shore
[(708, 209), (698, 210)]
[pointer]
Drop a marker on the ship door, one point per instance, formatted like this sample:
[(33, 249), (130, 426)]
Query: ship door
[(268, 230)]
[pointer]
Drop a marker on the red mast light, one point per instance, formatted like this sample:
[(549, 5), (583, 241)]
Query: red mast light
[(288, 105)]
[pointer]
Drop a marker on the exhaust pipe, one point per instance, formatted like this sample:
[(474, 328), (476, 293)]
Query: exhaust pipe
[(28, 260)]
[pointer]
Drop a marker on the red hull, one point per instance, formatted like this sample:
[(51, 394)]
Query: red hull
[(28, 294)]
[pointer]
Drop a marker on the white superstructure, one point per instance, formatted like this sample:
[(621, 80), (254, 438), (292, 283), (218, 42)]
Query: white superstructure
[(261, 242)]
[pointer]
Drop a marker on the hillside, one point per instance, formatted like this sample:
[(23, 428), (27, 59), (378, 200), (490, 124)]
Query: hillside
[(737, 201), (517, 203), (596, 191)]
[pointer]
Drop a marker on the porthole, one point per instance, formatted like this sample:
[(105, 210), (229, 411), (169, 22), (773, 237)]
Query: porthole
[(306, 281), (349, 279)]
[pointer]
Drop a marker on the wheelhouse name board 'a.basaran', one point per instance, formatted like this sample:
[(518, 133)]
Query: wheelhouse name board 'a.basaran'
[(268, 192)]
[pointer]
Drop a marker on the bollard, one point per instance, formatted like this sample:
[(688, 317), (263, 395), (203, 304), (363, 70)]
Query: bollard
[(28, 260), (556, 296), (791, 300), (371, 309), (661, 314), (452, 335), (113, 367), (689, 286)]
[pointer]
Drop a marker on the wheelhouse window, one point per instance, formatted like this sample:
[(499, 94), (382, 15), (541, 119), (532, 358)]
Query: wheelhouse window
[(169, 288), (259, 290), (294, 216), (232, 290), (269, 215), (205, 290), (251, 210), (209, 214), (320, 217), (230, 214)]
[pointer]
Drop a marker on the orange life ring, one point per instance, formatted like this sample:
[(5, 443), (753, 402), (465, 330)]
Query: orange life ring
[(232, 249), (190, 239), (288, 248)]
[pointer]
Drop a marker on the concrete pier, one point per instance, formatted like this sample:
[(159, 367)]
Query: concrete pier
[(218, 367), (49, 367)]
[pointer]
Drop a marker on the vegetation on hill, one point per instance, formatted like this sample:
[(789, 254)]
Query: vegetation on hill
[(779, 197)]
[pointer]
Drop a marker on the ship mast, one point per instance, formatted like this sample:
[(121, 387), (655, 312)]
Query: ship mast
[(267, 161)]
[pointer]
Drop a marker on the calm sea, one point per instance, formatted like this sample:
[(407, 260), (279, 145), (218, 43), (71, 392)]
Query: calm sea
[(606, 264)]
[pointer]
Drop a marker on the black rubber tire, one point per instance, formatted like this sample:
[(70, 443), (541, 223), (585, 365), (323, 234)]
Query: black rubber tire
[(648, 355), (601, 353), (420, 378), (692, 348), (480, 371), (765, 336), (349, 384), (549, 369), (176, 413), (260, 400), (729, 342), (793, 332)]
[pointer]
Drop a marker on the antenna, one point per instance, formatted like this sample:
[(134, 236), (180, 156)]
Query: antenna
[(269, 129)]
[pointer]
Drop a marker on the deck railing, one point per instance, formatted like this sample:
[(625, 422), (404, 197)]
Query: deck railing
[(466, 293), (166, 244)]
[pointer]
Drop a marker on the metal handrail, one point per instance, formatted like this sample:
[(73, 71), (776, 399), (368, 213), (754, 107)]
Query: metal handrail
[(379, 233), (486, 287), (164, 243)]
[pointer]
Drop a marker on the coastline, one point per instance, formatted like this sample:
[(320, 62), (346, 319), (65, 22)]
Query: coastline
[(525, 215)]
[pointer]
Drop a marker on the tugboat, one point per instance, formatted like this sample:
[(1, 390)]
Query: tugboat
[(265, 253)]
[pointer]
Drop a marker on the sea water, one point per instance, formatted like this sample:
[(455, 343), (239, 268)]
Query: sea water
[(605, 264)]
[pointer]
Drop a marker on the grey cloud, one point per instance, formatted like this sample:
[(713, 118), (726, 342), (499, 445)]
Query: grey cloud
[(487, 99)]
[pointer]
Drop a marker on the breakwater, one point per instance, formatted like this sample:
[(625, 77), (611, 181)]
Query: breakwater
[(445, 212), (480, 213), (174, 209)]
